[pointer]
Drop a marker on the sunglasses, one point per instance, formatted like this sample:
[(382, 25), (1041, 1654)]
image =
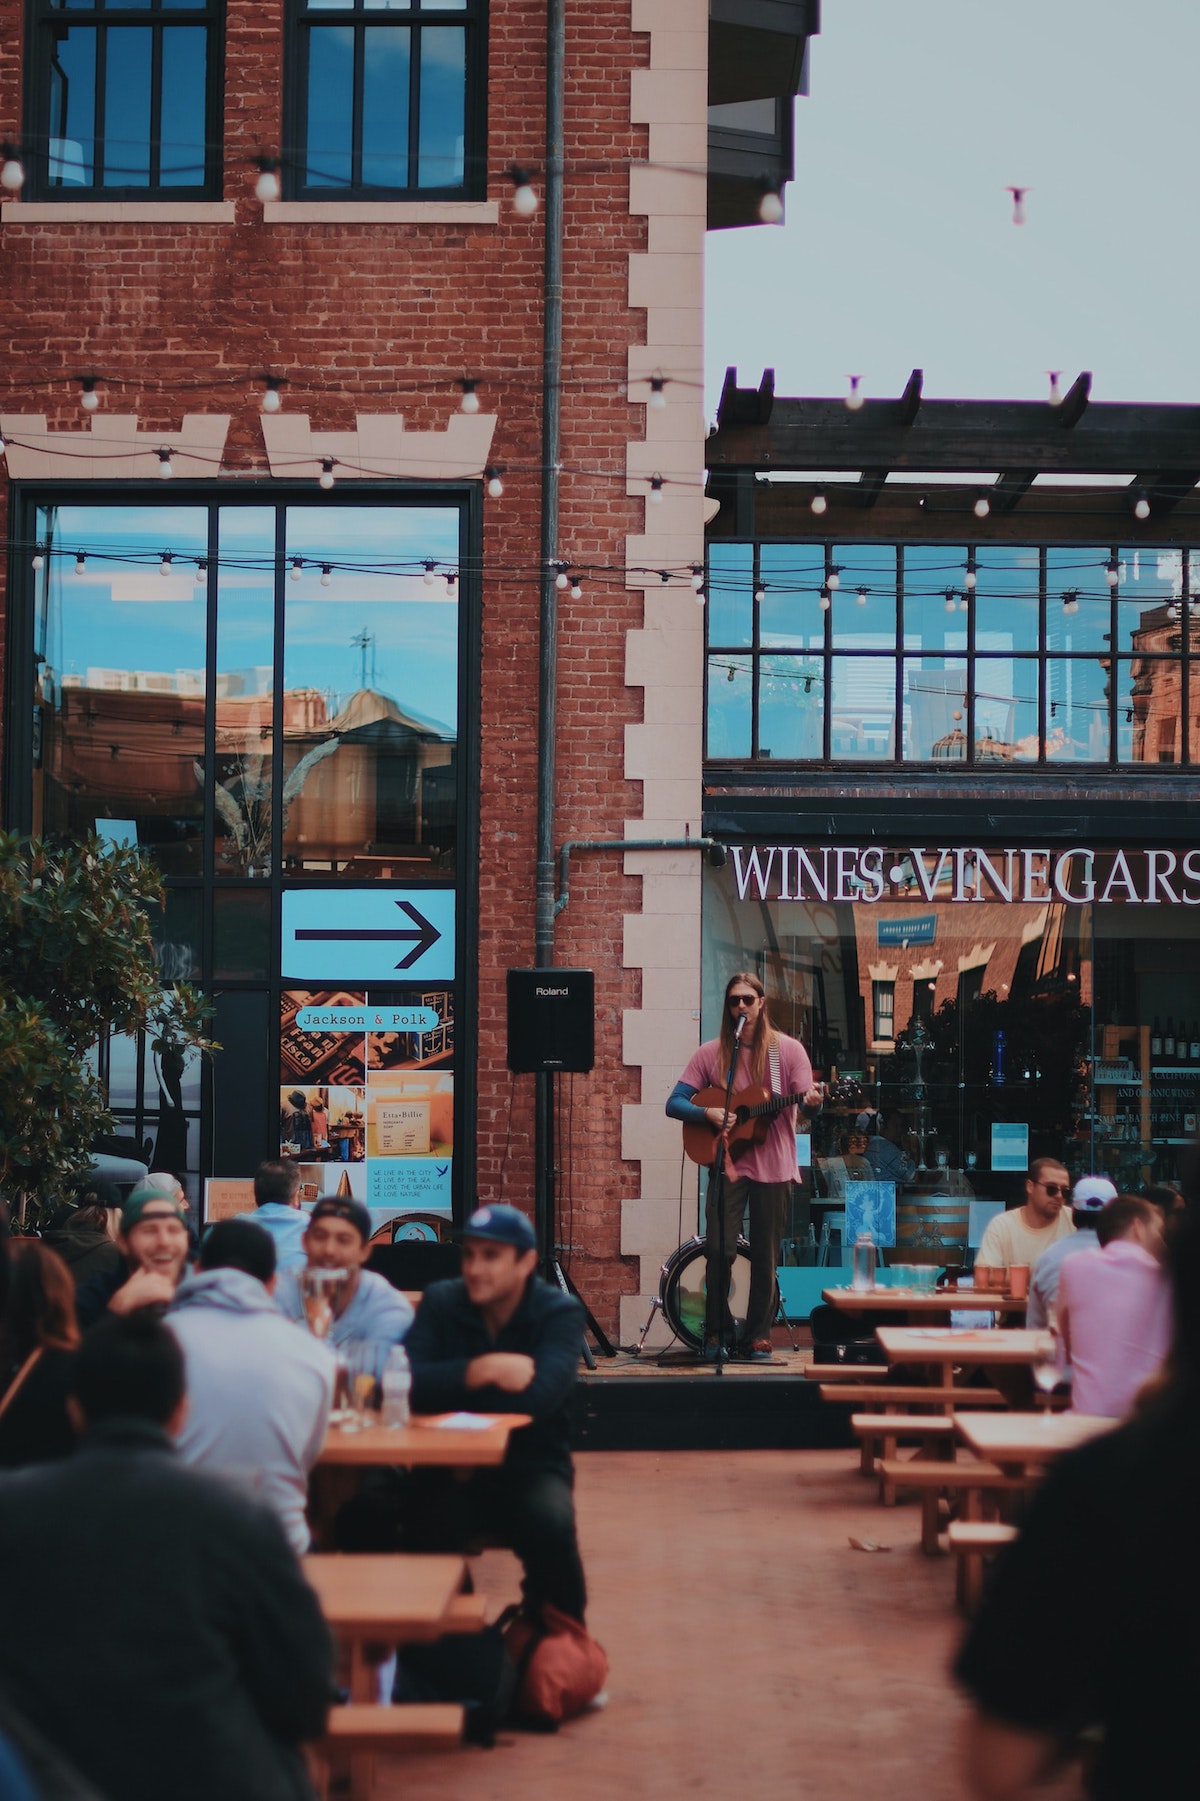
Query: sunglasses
[(741, 1000), (1055, 1188)]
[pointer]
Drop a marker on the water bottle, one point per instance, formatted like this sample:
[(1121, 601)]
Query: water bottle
[(397, 1386), (864, 1262)]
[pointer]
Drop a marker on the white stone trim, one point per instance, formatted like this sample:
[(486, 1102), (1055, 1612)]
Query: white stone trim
[(111, 447), (119, 212), (379, 447), (381, 212)]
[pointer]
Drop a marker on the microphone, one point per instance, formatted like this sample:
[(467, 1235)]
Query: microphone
[(737, 1030)]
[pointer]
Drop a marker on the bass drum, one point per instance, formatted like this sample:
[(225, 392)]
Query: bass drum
[(683, 1290)]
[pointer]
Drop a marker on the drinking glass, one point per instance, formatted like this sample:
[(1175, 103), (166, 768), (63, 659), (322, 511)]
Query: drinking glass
[(320, 1291), (1047, 1372)]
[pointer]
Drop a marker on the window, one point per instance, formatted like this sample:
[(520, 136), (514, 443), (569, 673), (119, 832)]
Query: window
[(123, 99), (387, 97), (883, 1007), (950, 654)]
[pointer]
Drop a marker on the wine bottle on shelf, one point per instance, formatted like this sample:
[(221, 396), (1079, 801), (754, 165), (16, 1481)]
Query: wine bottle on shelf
[(1194, 1045), (1156, 1041), (1168, 1041)]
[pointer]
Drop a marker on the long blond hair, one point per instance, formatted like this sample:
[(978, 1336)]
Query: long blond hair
[(753, 1055)]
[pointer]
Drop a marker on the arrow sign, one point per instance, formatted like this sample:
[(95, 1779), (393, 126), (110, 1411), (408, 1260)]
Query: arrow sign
[(356, 934), (425, 934)]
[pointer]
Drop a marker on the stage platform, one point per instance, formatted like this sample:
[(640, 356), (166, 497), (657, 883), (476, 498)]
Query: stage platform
[(671, 1401)]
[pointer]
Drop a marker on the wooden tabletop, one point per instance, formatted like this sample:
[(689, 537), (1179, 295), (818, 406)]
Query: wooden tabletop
[(396, 1597), (910, 1300), (1028, 1439), (423, 1442), (952, 1344)]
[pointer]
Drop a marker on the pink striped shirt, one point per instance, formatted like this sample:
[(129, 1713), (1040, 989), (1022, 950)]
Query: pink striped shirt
[(1117, 1309)]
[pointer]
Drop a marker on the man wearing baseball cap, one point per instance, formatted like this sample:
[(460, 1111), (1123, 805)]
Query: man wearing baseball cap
[(368, 1311), (154, 1243), (1089, 1197), (500, 1340)]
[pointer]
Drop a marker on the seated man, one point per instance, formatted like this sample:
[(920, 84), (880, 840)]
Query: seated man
[(259, 1392), (207, 1660), (885, 1151), (1023, 1234), (1090, 1195), (154, 1244), (500, 1340), (277, 1209), (1114, 1309), (368, 1311)]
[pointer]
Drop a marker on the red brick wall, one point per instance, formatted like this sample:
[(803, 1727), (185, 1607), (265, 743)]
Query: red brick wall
[(383, 318)]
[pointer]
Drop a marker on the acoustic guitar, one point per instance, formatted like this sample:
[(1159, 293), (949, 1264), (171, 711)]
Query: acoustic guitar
[(750, 1118)]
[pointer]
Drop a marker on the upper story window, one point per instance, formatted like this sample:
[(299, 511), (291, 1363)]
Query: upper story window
[(952, 654), (387, 98), (123, 98)]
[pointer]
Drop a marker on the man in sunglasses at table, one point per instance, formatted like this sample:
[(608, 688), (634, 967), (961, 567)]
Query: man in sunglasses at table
[(1023, 1233)]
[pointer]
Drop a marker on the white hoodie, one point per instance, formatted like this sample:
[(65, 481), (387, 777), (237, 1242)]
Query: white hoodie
[(259, 1392)]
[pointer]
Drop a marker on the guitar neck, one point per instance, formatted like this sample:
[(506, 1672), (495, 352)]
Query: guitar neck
[(776, 1104)]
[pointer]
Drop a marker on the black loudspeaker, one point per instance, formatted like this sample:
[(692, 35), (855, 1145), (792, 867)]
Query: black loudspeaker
[(551, 1019)]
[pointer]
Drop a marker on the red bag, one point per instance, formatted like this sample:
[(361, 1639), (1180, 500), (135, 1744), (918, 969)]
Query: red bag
[(560, 1667)]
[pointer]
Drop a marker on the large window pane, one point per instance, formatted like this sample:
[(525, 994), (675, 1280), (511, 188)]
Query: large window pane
[(729, 706), (1078, 602), (127, 107), (1076, 710), (72, 160), (330, 142), (1006, 710), (863, 708), (121, 681), (935, 709), (791, 708), (1150, 587), (863, 608), (385, 108), (1006, 598), (1149, 723), (443, 107), (244, 809), (184, 87), (789, 615), (935, 606), (730, 594), (370, 693)]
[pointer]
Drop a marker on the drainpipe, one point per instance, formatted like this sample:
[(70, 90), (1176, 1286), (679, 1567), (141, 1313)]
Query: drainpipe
[(718, 855)]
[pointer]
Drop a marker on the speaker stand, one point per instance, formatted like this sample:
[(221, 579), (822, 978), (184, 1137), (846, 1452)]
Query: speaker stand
[(546, 1209)]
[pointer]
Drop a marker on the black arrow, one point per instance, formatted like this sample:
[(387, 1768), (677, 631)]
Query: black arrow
[(425, 934)]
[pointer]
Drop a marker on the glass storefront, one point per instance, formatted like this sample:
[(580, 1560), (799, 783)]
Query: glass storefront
[(978, 1005)]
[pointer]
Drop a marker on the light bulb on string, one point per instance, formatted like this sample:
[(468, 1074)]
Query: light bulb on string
[(164, 568), (1070, 601), (832, 577), (89, 400), (658, 399), (469, 402), (656, 490), (770, 207), (855, 398), (451, 582), (861, 597), (1141, 507), (818, 503), (983, 506), (1055, 395), (951, 600), (12, 169), (272, 400), (267, 186), (1112, 572), (297, 568), (760, 593), (563, 579), (700, 595), (664, 576), (732, 674), (577, 589), (201, 575), (524, 195), (165, 467), (963, 603), (326, 575), (430, 575), (1018, 198), (38, 560), (969, 579), (697, 573), (80, 561), (326, 478), (825, 600), (495, 486)]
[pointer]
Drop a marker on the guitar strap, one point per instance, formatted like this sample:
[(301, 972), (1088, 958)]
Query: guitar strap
[(776, 1077)]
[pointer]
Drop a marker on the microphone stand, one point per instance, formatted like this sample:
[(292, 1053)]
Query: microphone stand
[(716, 1183)]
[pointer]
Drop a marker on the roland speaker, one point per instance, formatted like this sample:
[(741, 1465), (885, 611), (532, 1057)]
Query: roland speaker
[(551, 1020)]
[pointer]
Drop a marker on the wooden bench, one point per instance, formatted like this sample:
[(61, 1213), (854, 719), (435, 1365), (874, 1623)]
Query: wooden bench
[(971, 1541), (897, 1397), (845, 1372), (366, 1728), (879, 1434), (971, 1480)]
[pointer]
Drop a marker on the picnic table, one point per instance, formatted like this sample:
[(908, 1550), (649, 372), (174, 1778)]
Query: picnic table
[(1022, 1443), (430, 1440), (946, 1348), (921, 1304)]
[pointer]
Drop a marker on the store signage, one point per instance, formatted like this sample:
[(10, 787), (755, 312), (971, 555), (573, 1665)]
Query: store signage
[(368, 935), (863, 875), (922, 930), (367, 1019)]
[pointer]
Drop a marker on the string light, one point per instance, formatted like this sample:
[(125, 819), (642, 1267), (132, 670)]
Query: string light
[(267, 186), (577, 589), (201, 575), (658, 398), (818, 503), (732, 674), (825, 600), (656, 488), (832, 577), (951, 601), (165, 467), (470, 399), (983, 506), (451, 580), (80, 561), (861, 596), (272, 400), (495, 486), (969, 578), (963, 604), (1141, 507), (326, 575), (12, 169), (164, 568), (326, 478), (38, 560), (760, 593), (701, 597), (89, 400), (1112, 571), (563, 578), (429, 576), (1018, 212), (698, 577), (524, 195), (856, 397), (297, 568), (1055, 395), (770, 207), (1070, 601)]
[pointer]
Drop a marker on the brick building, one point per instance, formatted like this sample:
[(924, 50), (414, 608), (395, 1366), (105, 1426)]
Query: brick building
[(270, 254)]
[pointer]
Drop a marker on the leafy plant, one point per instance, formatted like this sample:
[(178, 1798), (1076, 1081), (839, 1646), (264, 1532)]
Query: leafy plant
[(77, 961)]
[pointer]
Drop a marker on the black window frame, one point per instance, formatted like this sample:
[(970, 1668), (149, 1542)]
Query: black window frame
[(42, 18), (303, 17)]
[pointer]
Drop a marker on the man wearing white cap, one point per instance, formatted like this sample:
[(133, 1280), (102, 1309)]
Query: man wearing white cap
[(1089, 1197)]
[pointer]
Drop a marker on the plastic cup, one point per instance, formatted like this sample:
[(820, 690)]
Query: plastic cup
[(1018, 1281)]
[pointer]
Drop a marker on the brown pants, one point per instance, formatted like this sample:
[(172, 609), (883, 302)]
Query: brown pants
[(766, 1203)]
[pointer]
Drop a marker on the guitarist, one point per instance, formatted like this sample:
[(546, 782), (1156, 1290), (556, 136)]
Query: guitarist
[(763, 1177)]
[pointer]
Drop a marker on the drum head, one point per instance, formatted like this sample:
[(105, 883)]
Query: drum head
[(685, 1291)]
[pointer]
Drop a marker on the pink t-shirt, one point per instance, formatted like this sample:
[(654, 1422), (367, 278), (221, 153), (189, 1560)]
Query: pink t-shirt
[(1118, 1307), (774, 1160)]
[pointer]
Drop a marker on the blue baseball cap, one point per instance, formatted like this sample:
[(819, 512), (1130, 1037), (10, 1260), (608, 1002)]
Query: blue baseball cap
[(503, 1225)]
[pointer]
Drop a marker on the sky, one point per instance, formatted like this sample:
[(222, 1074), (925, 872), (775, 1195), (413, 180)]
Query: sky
[(899, 251)]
